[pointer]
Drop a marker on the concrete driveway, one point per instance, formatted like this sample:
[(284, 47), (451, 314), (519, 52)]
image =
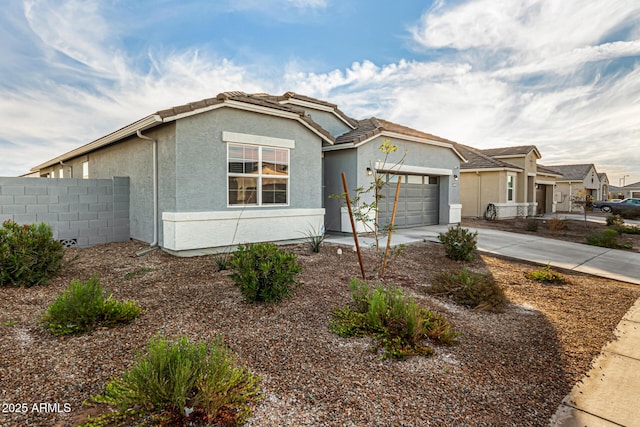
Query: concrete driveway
[(610, 263)]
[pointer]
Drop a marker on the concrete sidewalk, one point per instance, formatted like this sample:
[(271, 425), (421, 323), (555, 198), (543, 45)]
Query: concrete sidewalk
[(609, 394)]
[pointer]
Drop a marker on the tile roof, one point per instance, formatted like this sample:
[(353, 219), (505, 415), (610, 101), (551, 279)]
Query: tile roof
[(477, 159), (511, 151), (261, 100), (543, 169), (572, 172), (295, 96), (373, 126)]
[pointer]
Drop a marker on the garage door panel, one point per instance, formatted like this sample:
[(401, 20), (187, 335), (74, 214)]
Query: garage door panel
[(418, 204)]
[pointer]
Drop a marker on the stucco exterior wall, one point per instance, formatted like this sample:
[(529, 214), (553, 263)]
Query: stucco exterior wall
[(328, 121), (477, 190), (336, 162), (201, 159), (428, 159)]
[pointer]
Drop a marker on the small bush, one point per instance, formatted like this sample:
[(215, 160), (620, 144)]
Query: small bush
[(177, 382), (314, 239), (475, 290), (546, 275), (556, 224), (532, 224), (627, 229), (84, 305), (264, 272), (222, 261), (459, 243), (614, 220), (400, 326), (28, 254), (607, 238)]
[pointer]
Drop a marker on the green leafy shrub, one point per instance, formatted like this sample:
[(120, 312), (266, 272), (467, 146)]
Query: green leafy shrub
[(264, 272), (607, 238), (179, 382), (459, 243), (400, 326), (28, 254), (614, 220), (83, 306), (546, 275), (532, 224), (475, 290)]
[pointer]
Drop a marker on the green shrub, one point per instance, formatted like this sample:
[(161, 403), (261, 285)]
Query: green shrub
[(177, 382), (475, 290), (222, 261), (28, 254), (264, 272), (314, 239), (627, 229), (532, 224), (546, 275), (400, 326), (459, 243), (83, 306), (614, 220), (607, 238)]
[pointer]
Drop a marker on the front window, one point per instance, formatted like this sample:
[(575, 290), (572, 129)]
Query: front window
[(511, 188), (257, 175), (85, 170)]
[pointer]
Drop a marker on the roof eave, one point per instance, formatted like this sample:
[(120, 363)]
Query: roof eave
[(412, 139), (129, 130)]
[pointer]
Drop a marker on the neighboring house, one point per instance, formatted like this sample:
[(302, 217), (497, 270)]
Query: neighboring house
[(505, 181), (631, 191), (603, 191), (242, 168), (575, 179)]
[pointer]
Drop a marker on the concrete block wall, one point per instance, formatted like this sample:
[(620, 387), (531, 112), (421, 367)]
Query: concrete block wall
[(81, 212)]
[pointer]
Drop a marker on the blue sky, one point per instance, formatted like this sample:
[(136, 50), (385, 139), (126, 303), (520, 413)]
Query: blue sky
[(563, 75)]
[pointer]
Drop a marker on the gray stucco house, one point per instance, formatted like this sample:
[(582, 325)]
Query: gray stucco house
[(242, 168)]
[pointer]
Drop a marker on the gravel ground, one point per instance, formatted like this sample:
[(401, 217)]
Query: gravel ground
[(510, 368)]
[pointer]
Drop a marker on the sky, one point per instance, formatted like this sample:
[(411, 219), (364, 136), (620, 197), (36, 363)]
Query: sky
[(563, 75)]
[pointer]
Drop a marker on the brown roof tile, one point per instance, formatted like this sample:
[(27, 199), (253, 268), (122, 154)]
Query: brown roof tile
[(477, 159), (572, 172), (510, 151), (368, 128)]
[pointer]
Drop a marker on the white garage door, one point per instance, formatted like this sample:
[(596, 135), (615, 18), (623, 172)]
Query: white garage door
[(418, 203)]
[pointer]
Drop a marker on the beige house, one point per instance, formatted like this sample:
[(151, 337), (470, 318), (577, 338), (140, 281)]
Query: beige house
[(505, 183), (573, 180)]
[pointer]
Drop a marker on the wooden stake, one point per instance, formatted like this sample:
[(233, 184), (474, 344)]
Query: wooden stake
[(353, 224), (393, 218)]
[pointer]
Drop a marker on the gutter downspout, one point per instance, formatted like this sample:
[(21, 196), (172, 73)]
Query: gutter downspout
[(153, 245)]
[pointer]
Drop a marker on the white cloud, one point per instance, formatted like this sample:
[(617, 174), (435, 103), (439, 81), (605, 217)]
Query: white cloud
[(503, 80)]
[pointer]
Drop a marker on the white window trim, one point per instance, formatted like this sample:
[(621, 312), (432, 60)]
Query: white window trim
[(259, 176), (513, 188), (85, 170), (263, 141)]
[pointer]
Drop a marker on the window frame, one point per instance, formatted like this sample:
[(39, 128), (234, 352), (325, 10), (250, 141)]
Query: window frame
[(511, 179), (259, 176)]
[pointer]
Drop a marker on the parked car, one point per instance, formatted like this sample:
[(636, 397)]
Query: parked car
[(619, 206)]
